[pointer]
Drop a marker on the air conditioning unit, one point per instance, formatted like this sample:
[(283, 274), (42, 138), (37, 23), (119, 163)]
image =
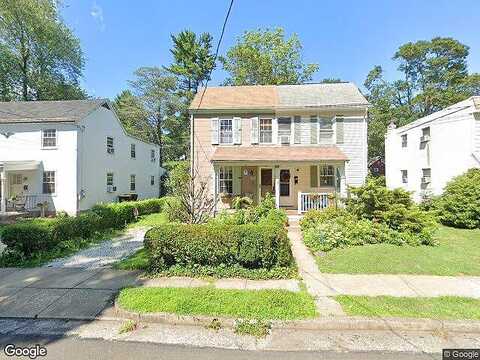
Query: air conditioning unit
[(426, 180), (285, 139), (425, 138), (110, 150), (111, 188)]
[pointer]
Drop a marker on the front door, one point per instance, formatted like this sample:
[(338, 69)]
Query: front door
[(286, 193), (16, 185), (249, 182), (266, 182)]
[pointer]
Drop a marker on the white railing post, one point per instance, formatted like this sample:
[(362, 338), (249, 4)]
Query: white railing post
[(299, 201)]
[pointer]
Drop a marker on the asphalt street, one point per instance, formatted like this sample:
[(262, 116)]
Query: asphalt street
[(73, 348)]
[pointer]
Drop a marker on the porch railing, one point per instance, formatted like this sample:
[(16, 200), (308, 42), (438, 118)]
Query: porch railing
[(312, 201), (26, 202)]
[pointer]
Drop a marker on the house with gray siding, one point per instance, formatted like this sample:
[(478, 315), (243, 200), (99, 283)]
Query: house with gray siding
[(304, 144)]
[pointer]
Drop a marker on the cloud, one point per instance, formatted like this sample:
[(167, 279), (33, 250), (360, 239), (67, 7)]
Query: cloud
[(97, 13)]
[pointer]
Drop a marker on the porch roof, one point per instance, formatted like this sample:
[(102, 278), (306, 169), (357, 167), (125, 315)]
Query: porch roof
[(19, 165), (278, 153)]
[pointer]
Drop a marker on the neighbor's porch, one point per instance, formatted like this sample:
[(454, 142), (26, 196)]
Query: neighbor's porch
[(297, 186), (21, 188)]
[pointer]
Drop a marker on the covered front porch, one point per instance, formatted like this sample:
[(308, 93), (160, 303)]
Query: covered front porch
[(21, 188), (296, 186)]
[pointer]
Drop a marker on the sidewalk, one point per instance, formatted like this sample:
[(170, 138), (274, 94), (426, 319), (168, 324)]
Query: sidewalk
[(324, 286)]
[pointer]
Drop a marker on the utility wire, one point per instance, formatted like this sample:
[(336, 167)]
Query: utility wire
[(208, 78)]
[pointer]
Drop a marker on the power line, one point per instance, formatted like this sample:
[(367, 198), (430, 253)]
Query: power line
[(207, 80)]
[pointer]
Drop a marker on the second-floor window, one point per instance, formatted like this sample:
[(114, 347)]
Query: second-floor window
[(48, 182), (133, 153), (109, 179), (152, 156), (152, 180), (265, 131), (110, 147), (404, 140), (404, 176), (226, 131), (326, 131), (284, 130), (49, 138), (132, 182), (425, 134), (225, 179)]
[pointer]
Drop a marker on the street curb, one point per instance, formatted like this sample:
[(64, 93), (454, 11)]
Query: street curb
[(321, 323)]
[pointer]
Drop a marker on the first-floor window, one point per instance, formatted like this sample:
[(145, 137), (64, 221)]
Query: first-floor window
[(152, 180), (49, 182), (226, 179), (404, 176), (132, 183), (326, 175), (109, 179)]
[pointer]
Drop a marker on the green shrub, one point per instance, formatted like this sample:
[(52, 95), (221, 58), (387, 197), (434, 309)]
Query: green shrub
[(250, 246), (38, 235), (313, 217), (373, 198), (459, 205)]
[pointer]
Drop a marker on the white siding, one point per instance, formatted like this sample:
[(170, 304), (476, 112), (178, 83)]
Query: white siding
[(25, 145), (96, 162), (447, 154), (355, 148), (477, 134)]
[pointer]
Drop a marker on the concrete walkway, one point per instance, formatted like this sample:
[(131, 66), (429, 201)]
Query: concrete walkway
[(105, 253), (324, 286)]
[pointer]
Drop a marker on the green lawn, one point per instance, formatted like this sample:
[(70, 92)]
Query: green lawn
[(446, 307), (457, 254), (150, 220), (246, 304), (137, 261)]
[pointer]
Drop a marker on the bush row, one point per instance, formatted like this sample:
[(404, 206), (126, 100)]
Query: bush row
[(31, 236), (250, 246)]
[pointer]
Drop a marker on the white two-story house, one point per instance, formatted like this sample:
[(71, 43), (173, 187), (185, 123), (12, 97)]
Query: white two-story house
[(298, 142), (423, 156), (70, 155)]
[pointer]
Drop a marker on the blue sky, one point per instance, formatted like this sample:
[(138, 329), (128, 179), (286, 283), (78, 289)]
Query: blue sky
[(346, 38)]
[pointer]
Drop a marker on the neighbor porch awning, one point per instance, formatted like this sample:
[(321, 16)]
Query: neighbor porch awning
[(278, 153), (19, 165)]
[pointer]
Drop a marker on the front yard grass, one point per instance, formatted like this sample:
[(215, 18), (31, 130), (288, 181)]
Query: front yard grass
[(445, 307), (458, 254), (245, 304), (150, 220)]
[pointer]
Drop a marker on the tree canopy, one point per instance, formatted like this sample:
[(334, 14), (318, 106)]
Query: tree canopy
[(434, 75), (40, 57), (266, 57), (193, 60)]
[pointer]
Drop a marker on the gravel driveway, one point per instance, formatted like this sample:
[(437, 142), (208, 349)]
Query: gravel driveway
[(105, 253)]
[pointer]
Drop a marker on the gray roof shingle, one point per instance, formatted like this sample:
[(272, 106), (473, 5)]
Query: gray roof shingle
[(319, 95), (47, 111)]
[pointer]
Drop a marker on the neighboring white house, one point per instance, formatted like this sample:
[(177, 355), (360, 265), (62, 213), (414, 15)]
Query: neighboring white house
[(424, 155), (302, 143), (71, 155)]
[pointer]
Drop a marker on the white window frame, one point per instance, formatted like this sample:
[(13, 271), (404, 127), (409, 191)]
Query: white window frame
[(110, 145), (54, 182), (133, 182), (45, 136), (281, 133), (133, 151), (325, 126), (225, 179), (153, 155), (265, 131), (225, 132), (110, 179), (404, 174), (404, 138), (152, 180), (324, 173)]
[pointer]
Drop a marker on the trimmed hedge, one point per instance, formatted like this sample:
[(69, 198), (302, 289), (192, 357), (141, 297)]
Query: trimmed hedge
[(31, 236), (250, 246)]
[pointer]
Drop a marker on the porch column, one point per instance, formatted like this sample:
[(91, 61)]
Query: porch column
[(215, 188), (3, 202), (276, 176), (343, 182)]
